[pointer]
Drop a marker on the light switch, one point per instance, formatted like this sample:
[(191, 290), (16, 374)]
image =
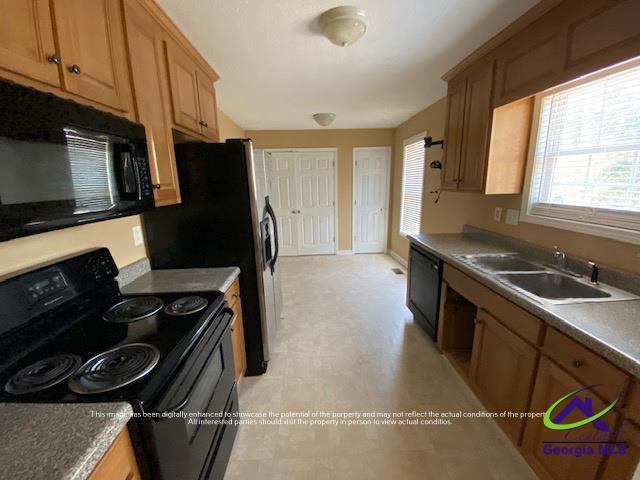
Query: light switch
[(138, 239), (512, 216), (497, 214)]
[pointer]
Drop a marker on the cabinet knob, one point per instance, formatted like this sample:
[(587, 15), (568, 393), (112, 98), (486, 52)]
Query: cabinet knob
[(156, 186), (577, 364), (204, 124), (75, 69), (55, 58)]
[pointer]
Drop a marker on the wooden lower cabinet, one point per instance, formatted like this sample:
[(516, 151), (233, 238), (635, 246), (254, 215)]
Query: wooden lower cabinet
[(502, 371), (119, 463), (623, 467), (232, 296), (552, 383)]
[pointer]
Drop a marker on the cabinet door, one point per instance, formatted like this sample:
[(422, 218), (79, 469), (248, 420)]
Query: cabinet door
[(623, 466), (119, 462), (502, 368), (207, 103), (92, 47), (476, 131), (184, 88), (26, 40), (553, 383), (150, 84), (453, 134)]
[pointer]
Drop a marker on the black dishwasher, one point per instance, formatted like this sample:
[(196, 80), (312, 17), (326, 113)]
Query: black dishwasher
[(425, 274)]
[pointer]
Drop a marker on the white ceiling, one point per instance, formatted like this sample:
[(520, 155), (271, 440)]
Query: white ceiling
[(276, 70)]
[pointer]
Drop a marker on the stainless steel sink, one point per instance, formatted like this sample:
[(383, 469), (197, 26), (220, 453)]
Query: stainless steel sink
[(558, 288), (496, 263)]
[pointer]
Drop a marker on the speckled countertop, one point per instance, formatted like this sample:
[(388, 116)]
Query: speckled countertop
[(57, 441), (183, 280), (610, 328)]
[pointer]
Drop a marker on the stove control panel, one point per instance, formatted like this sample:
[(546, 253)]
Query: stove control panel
[(45, 286), (100, 266)]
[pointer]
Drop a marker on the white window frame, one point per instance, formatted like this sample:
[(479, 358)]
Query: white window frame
[(406, 142), (576, 218)]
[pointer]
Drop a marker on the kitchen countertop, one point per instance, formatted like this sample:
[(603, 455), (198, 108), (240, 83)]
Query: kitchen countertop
[(57, 441), (611, 329), (183, 280)]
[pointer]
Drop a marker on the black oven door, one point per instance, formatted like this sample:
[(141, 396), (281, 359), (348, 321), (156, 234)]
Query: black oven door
[(63, 164), (185, 433)]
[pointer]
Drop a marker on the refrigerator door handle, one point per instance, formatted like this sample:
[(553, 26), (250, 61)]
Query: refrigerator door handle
[(272, 214)]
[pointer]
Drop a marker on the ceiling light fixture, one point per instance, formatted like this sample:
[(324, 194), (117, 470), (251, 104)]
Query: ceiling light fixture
[(343, 25), (324, 119)]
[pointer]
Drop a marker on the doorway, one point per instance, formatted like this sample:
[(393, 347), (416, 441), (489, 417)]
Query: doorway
[(370, 199), (303, 191)]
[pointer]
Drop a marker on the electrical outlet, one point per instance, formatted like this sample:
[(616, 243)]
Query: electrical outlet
[(497, 214), (138, 239), (512, 216)]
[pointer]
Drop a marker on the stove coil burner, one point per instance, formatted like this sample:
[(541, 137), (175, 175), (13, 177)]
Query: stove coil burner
[(115, 368), (186, 305), (43, 374), (133, 309)]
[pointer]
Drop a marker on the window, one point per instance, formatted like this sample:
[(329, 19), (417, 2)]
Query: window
[(412, 183), (585, 174)]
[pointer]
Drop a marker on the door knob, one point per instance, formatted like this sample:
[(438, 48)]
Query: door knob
[(75, 69), (55, 58), (293, 211)]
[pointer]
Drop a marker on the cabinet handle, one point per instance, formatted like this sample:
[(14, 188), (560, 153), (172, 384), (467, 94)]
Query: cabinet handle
[(577, 364), (55, 58), (235, 295), (156, 186), (204, 124), (75, 69)]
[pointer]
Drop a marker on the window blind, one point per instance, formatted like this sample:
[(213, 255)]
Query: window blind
[(412, 184), (587, 154)]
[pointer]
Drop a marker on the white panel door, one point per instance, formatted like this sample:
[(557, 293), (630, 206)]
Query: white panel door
[(283, 199), (316, 235), (371, 174)]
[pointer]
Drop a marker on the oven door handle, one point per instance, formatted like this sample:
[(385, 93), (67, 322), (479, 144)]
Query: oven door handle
[(162, 415)]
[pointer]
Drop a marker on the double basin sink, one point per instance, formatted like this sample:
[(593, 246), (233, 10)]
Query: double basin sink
[(541, 283)]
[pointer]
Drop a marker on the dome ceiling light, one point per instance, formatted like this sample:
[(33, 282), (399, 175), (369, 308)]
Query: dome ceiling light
[(324, 119), (343, 26)]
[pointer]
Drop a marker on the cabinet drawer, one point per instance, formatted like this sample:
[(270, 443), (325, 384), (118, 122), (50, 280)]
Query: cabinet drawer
[(585, 365), (232, 295), (512, 316), (632, 405)]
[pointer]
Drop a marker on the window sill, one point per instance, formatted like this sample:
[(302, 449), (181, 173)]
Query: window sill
[(613, 233)]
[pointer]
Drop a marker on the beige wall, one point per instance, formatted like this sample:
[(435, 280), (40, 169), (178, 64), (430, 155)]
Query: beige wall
[(344, 141), (228, 128), (116, 235), (455, 209)]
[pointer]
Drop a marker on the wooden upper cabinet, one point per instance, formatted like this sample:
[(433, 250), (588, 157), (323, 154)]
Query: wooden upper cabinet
[(183, 74), (151, 91), (92, 47), (27, 45), (502, 368), (552, 383), (453, 133), (208, 109), (476, 125)]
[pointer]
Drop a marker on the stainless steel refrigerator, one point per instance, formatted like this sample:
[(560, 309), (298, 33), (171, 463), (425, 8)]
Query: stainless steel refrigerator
[(225, 219)]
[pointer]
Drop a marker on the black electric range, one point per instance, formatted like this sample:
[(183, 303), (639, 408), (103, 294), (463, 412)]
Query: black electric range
[(67, 334)]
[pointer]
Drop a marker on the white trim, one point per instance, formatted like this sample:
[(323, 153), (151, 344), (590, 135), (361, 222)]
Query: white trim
[(532, 214), (387, 194), (344, 252), (398, 258), (335, 183), (406, 142)]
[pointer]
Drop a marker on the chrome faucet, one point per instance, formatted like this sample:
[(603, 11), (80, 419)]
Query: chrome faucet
[(559, 259)]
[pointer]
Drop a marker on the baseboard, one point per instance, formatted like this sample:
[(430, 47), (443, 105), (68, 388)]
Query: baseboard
[(398, 258), (344, 252)]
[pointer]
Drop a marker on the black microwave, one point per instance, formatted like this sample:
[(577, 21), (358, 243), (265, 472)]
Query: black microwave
[(64, 164)]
